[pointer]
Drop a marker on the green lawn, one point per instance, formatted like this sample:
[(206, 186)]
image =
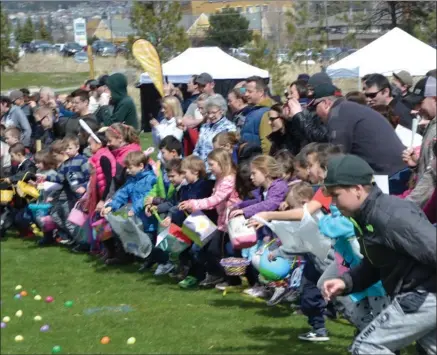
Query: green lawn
[(162, 317), (55, 80)]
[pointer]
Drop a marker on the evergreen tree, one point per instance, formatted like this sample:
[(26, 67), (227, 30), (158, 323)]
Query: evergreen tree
[(228, 29), (18, 32), (28, 32), (158, 23), (8, 56), (43, 32)]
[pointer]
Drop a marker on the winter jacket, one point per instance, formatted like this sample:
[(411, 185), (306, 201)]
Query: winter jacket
[(426, 153), (47, 138), (364, 132), (424, 187), (239, 118), (167, 128), (276, 194), (243, 152), (197, 190), (223, 197), (342, 232), (308, 127), (135, 190), (207, 133), (257, 127), (15, 117), (121, 153), (72, 174), (398, 243), (188, 102), (401, 110), (430, 208), (23, 171), (71, 126), (124, 107), (96, 163)]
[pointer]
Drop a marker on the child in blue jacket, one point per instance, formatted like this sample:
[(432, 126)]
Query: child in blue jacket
[(138, 185)]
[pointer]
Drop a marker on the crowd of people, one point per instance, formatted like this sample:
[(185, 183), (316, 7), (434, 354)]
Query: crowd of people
[(310, 159)]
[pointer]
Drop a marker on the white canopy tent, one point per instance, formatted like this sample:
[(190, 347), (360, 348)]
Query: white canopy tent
[(394, 51), (211, 60)]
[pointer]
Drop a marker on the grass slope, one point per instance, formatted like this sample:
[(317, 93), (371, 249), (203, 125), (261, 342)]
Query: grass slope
[(164, 318), (55, 80)]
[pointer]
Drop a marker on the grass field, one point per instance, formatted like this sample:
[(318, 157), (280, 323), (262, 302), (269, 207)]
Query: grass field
[(162, 317), (56, 80)]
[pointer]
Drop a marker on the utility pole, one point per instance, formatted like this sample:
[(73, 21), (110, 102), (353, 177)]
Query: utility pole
[(326, 23)]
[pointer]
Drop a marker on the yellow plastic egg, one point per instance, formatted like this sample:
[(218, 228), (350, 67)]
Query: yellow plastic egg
[(131, 341)]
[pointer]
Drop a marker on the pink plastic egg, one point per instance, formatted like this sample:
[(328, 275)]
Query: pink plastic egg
[(49, 299)]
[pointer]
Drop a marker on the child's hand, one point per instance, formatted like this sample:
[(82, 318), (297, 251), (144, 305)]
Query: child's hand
[(271, 257), (100, 206), (184, 205), (147, 211), (257, 225), (33, 183), (166, 222), (283, 206), (235, 213), (267, 239), (7, 180), (81, 190), (106, 210), (49, 199), (130, 213), (148, 201)]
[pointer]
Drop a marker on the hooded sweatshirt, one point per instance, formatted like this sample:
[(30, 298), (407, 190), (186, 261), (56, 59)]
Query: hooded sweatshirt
[(124, 107)]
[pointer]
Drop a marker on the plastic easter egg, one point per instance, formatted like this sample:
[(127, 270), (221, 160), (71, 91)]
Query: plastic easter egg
[(37, 318), (3, 325), (274, 270), (19, 338), (49, 299), (37, 298), (19, 313), (105, 340), (23, 293), (44, 328), (255, 261), (56, 349), (131, 341), (6, 319), (34, 292), (68, 304), (18, 287), (17, 296)]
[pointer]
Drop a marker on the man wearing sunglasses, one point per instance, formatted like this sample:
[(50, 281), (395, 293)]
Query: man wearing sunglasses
[(360, 130), (378, 91)]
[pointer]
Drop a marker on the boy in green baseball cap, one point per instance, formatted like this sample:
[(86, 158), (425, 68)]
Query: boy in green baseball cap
[(399, 247)]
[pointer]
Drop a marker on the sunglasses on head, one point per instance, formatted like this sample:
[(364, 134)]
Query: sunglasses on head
[(372, 95)]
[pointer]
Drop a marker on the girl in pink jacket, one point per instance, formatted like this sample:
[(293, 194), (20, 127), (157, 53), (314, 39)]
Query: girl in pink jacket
[(223, 197)]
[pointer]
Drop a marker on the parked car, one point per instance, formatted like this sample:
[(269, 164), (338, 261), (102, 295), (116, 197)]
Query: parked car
[(70, 49), (122, 48), (81, 57), (104, 49), (37, 46), (59, 46)]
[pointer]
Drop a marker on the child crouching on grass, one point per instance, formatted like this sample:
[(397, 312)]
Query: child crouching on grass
[(138, 185)]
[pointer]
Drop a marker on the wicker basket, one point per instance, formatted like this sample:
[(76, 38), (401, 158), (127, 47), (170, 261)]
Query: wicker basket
[(235, 266)]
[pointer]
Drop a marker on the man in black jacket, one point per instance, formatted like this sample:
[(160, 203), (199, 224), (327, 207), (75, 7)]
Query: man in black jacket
[(360, 130), (399, 247), (378, 91)]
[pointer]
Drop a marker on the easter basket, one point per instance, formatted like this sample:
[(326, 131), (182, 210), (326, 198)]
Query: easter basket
[(235, 266), (6, 196), (199, 228), (26, 190), (172, 239)]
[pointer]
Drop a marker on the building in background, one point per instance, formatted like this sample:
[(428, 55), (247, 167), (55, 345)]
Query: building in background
[(110, 29)]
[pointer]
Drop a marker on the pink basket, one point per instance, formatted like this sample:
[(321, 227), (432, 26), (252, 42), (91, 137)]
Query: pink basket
[(48, 224), (77, 217)]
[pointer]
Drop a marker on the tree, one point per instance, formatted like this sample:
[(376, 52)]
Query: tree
[(43, 32), (18, 32), (8, 56), (228, 29), (28, 32), (158, 22), (262, 56)]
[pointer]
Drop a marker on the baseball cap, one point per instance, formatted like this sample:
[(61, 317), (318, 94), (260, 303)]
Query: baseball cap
[(348, 170), (318, 79), (204, 79), (425, 87), (404, 77), (321, 91), (102, 80), (15, 95)]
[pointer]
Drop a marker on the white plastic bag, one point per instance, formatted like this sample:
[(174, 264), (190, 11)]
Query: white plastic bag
[(300, 237)]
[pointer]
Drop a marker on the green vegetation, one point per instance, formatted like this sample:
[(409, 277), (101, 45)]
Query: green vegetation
[(56, 80)]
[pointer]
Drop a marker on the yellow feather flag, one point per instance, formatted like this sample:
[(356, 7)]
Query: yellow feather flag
[(146, 54)]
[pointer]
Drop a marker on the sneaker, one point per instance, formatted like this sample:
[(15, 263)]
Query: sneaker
[(315, 336), (256, 291), (164, 269), (146, 266), (188, 282), (292, 297), (278, 295), (211, 281), (222, 286), (180, 273)]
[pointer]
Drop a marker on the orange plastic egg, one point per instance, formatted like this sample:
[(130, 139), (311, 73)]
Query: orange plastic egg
[(23, 293), (105, 340)]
